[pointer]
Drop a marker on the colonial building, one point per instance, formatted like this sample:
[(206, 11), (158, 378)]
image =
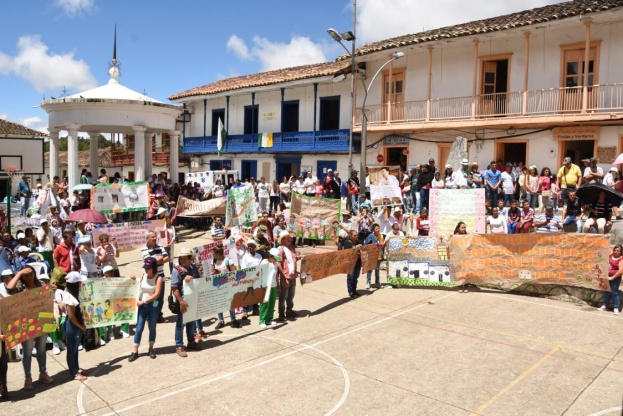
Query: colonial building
[(532, 86)]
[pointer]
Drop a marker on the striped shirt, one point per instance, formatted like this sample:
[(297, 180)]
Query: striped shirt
[(218, 231), (155, 252)]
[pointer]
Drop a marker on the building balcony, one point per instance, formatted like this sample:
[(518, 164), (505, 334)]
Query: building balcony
[(306, 141), (125, 157), (512, 108)]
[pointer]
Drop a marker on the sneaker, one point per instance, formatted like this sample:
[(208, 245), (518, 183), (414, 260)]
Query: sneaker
[(236, 324), (368, 286), (221, 324), (45, 378), (133, 356), (616, 311), (271, 323), (102, 342), (125, 334), (181, 352), (56, 350), (262, 326), (62, 345), (80, 347), (194, 346), (602, 308), (28, 383), (152, 354)]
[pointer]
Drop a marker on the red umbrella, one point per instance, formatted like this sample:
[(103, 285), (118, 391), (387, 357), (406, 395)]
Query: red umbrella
[(87, 215)]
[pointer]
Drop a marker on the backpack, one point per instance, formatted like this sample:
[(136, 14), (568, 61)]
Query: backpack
[(90, 339)]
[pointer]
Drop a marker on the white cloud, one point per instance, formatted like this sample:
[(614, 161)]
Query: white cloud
[(44, 70), (35, 123), (4, 116), (75, 7), (276, 55), (381, 19)]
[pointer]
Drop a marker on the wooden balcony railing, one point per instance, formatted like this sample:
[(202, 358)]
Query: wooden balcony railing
[(122, 157)]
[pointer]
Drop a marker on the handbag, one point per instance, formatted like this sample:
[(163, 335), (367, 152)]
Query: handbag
[(174, 305), (545, 194)]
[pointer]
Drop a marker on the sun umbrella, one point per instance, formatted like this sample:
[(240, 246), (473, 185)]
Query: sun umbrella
[(87, 215), (82, 187), (618, 160), (588, 193)]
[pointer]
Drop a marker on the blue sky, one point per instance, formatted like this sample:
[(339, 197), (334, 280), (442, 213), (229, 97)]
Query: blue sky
[(165, 47)]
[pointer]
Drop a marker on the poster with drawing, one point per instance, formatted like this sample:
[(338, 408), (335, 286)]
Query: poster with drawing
[(241, 207), (109, 301), (417, 261), (314, 218), (203, 254), (448, 207), (112, 198)]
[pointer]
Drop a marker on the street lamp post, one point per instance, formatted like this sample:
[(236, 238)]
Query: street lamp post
[(364, 118)]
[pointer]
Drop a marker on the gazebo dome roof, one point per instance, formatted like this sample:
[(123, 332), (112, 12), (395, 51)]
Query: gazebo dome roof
[(113, 90)]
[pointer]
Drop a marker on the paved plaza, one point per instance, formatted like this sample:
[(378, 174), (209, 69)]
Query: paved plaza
[(400, 351)]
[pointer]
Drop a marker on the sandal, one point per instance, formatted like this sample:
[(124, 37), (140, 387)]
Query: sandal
[(82, 372), (80, 377)]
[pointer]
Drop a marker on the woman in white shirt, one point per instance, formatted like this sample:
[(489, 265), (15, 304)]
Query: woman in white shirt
[(274, 196), (284, 189), (218, 190), (437, 182), (74, 325), (151, 285), (88, 259), (496, 222)]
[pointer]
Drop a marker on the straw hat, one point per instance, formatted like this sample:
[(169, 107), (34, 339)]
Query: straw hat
[(282, 235), (186, 252)]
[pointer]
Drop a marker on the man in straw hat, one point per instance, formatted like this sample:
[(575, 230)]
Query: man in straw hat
[(184, 271), (287, 276)]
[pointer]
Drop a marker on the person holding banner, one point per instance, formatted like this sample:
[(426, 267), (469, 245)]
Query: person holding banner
[(45, 237), (151, 286), (251, 259), (351, 279), (615, 271), (287, 276), (4, 359), (375, 238), (152, 249), (267, 309), (74, 325), (221, 264)]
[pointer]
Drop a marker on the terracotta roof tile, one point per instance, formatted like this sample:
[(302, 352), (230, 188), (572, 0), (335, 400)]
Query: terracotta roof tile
[(84, 158), (267, 78), (544, 14), (8, 128)]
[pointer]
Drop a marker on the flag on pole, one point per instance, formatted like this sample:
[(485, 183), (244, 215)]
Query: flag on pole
[(221, 138), (265, 140)]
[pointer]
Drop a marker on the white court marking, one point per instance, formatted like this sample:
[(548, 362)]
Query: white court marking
[(268, 361), (608, 411)]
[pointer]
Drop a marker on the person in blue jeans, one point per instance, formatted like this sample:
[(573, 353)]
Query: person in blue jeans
[(615, 271), (493, 183), (375, 238), (148, 311), (74, 325), (24, 193), (184, 271), (351, 279)]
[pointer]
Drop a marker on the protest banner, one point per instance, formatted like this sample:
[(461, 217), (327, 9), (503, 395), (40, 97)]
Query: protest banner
[(535, 258), (314, 218), (207, 296), (112, 198), (448, 207), (370, 256), (241, 207), (318, 266), (417, 261), (385, 195), (203, 254), (44, 200), (131, 235), (376, 176), (27, 315), (110, 301), (189, 208)]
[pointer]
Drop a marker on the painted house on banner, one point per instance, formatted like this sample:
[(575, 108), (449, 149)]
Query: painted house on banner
[(533, 86)]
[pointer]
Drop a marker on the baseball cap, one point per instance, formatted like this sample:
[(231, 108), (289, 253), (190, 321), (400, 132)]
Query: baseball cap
[(161, 211), (509, 165), (75, 277), (21, 235), (275, 253), (150, 263), (329, 170), (431, 160), (85, 239), (7, 272), (107, 269), (566, 160), (613, 169), (474, 163), (23, 249), (586, 160), (253, 242), (43, 221), (448, 166)]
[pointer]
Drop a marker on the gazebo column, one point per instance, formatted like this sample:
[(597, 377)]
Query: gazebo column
[(174, 152), (93, 153), (149, 160), (53, 155), (72, 155), (139, 152)]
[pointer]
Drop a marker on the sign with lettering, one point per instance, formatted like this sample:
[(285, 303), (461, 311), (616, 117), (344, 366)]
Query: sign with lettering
[(131, 235), (110, 301), (376, 176), (606, 154), (109, 198), (385, 195), (550, 259), (314, 218), (207, 296), (318, 266), (448, 207), (189, 208), (241, 207), (576, 133), (203, 254), (27, 315)]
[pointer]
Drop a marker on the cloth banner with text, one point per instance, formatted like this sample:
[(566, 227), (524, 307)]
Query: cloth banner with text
[(27, 315), (385, 195), (241, 207), (531, 258), (448, 207), (417, 261), (370, 254), (131, 235), (189, 208), (314, 218), (318, 266), (112, 198), (207, 296), (203, 254), (110, 301)]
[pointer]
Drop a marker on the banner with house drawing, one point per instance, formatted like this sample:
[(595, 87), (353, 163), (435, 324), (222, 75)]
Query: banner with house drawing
[(417, 261), (207, 296), (314, 218), (448, 207), (112, 198), (241, 207), (131, 235), (109, 301), (546, 259)]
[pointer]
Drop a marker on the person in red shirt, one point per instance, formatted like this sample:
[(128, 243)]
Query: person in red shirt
[(66, 254)]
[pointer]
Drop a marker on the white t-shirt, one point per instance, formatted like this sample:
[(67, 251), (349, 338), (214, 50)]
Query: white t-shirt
[(588, 171), (391, 234), (311, 185), (272, 272), (284, 187), (262, 190), (498, 225), (249, 260), (3, 291), (507, 182), (386, 225), (46, 244)]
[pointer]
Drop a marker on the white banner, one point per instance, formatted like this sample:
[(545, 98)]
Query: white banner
[(385, 195), (120, 197)]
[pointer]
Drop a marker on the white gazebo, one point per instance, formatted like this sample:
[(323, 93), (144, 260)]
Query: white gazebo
[(111, 108)]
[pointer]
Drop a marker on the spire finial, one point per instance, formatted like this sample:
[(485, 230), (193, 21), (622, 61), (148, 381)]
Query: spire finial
[(113, 66), (114, 47)]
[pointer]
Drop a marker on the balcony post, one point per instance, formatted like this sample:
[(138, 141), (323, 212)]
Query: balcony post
[(174, 160), (587, 49), (524, 108), (475, 79), (93, 154), (430, 81)]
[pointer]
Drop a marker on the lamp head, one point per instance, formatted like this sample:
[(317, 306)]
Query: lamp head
[(398, 55), (334, 34), (348, 36)]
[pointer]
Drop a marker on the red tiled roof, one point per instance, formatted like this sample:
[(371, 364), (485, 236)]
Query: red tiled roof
[(541, 15), (267, 78), (84, 158), (8, 128)]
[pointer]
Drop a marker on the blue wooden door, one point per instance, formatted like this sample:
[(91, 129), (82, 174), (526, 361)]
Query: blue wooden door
[(248, 169), (323, 165)]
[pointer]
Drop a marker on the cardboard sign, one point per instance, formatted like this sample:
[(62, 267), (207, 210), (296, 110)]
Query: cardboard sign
[(370, 256), (241, 207), (318, 266), (207, 296), (314, 218), (27, 315), (120, 197), (417, 261), (532, 258), (376, 176), (131, 235), (189, 208), (110, 301), (448, 207), (385, 195), (203, 254)]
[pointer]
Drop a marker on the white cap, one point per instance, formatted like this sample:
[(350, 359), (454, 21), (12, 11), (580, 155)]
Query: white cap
[(448, 166), (329, 170), (43, 221), (613, 169), (250, 241), (75, 277), (161, 211), (23, 249), (21, 235), (7, 272), (107, 269)]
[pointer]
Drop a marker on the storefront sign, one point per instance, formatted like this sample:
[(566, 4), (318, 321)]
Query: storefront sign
[(576, 133)]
